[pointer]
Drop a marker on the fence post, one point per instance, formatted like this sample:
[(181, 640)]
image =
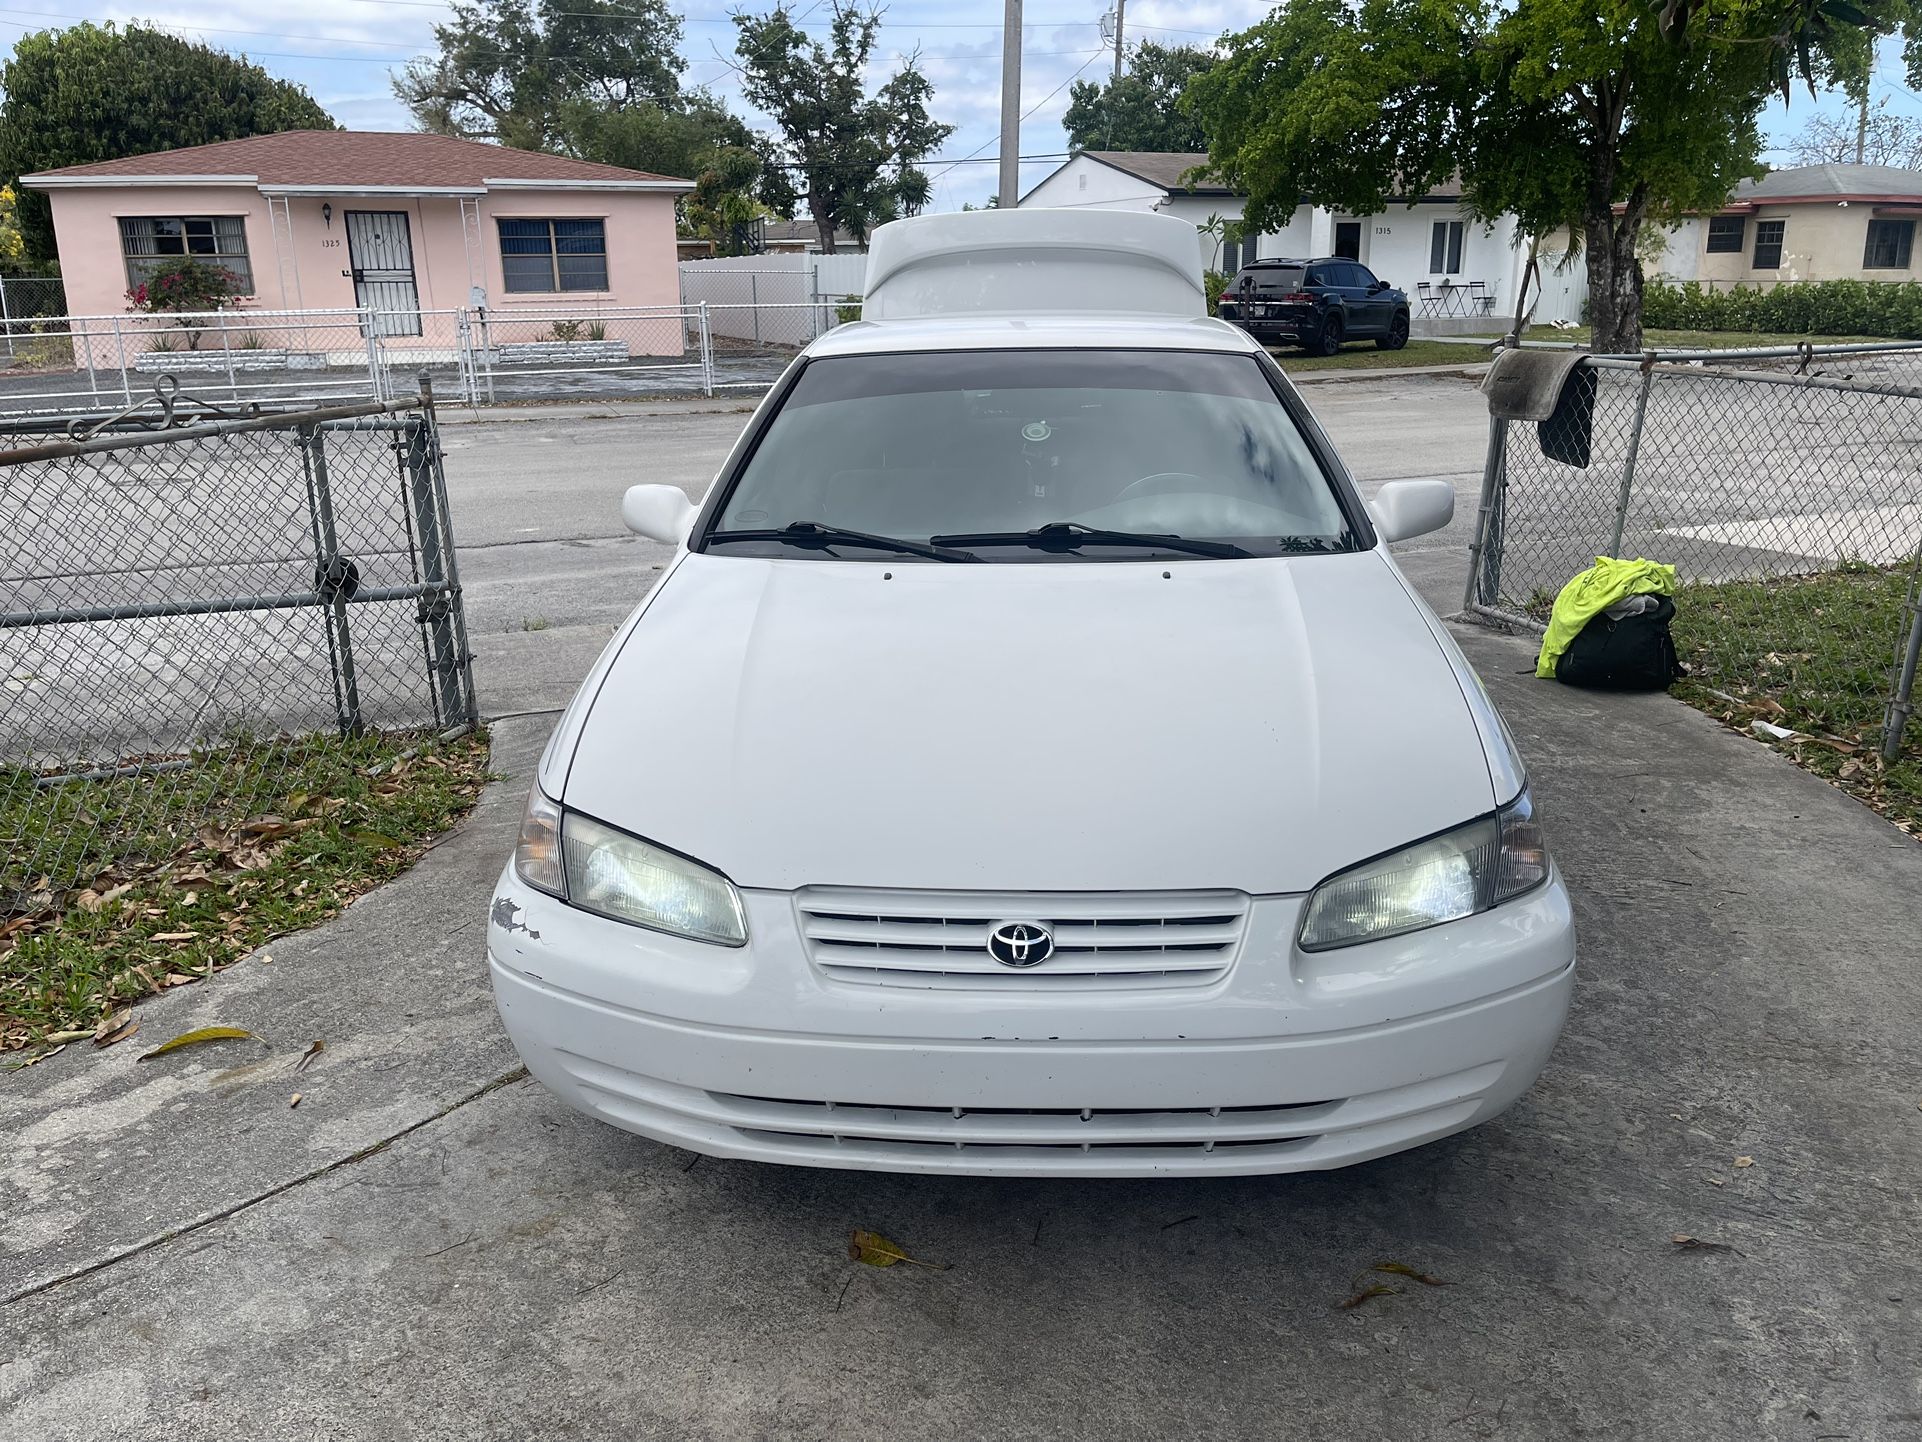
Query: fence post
[(335, 578), (226, 349), (1628, 461), (1901, 699), (120, 355), (6, 316), (707, 354), (375, 380), (1485, 550), (441, 615), (754, 299)]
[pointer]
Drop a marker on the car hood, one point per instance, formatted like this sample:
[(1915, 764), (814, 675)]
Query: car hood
[(1253, 725)]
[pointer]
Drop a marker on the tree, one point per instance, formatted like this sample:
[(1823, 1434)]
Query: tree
[(1594, 116), (510, 71), (185, 286), (96, 92), (1884, 139), (852, 157), (1141, 110)]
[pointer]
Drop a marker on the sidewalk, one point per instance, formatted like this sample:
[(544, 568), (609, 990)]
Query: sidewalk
[(504, 1269)]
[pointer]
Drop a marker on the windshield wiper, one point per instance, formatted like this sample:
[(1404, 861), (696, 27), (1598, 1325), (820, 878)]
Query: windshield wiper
[(1072, 535), (813, 533)]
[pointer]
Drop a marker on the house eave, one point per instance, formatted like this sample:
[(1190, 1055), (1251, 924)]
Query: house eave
[(388, 191), (666, 187), (53, 180)]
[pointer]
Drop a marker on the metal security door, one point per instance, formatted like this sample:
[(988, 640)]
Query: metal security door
[(381, 251)]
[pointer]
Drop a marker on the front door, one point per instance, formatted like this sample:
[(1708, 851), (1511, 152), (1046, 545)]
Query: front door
[(1348, 239), (381, 251)]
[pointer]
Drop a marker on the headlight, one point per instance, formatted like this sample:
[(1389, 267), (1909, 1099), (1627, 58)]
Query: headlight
[(622, 877), (1441, 879)]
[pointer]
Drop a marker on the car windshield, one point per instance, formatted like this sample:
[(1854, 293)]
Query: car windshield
[(980, 448)]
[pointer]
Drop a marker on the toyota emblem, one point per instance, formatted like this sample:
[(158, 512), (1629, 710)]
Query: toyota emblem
[(1020, 944)]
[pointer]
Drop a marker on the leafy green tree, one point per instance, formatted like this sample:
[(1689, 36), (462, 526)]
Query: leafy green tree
[(511, 71), (853, 158), (1141, 110), (97, 92), (1593, 116)]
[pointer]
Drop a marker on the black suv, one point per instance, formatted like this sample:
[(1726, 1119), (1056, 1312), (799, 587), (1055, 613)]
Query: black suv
[(1315, 304)]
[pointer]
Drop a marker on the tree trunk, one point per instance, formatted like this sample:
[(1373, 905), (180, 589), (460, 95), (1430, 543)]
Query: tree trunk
[(1614, 274), (824, 227)]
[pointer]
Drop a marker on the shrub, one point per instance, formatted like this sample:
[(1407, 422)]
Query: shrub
[(1215, 283), (848, 310), (184, 286), (1830, 307), (597, 330), (568, 330)]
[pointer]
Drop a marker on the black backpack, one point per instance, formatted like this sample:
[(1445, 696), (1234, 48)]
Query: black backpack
[(1635, 653)]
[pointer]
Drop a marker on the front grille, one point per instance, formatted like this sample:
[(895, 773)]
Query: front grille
[(1101, 939), (865, 1126)]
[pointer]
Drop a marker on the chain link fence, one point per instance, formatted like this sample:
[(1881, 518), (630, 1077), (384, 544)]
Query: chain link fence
[(192, 605), (1784, 485)]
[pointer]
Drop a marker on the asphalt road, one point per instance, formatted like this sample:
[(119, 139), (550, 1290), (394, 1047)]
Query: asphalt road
[(549, 570)]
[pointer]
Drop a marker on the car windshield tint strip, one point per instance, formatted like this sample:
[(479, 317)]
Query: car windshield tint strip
[(1005, 374)]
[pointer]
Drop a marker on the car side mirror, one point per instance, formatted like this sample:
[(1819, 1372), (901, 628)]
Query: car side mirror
[(1402, 509), (1378, 287), (661, 513)]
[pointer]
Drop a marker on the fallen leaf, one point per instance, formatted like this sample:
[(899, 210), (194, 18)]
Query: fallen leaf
[(1741, 1162), (126, 1029), (95, 900), (307, 1057), (42, 1056), (1402, 1269), (1716, 1181), (1685, 1243), (1363, 1294), (877, 1251), (178, 978), (294, 1101), (196, 1038), (374, 839), (175, 936), (61, 1038)]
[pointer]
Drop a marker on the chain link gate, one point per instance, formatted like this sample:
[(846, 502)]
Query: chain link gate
[(1784, 485), (192, 598)]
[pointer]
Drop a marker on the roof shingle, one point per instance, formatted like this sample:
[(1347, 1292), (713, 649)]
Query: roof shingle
[(358, 157)]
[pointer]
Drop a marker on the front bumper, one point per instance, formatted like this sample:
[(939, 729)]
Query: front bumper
[(1288, 1063)]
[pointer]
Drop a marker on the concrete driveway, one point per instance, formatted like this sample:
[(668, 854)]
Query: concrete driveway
[(430, 1247)]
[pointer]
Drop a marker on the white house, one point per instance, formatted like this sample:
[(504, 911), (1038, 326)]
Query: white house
[(1430, 241)]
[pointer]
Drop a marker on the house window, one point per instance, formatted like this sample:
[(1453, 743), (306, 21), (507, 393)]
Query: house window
[(550, 255), (1889, 244), (1726, 234), (1768, 244), (1445, 248), (148, 242)]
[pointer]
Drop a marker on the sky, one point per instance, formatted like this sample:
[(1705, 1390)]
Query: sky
[(344, 50)]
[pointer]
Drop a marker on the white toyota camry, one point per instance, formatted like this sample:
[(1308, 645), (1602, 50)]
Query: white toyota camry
[(1033, 763)]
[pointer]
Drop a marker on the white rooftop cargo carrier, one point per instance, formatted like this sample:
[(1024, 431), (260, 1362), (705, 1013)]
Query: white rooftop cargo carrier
[(1035, 262)]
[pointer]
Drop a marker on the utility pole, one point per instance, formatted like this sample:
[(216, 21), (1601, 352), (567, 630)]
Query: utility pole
[(1009, 193), (1862, 128), (1120, 14)]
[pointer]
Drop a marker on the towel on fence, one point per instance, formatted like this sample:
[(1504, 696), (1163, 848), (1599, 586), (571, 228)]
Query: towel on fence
[(1523, 385), (1590, 593)]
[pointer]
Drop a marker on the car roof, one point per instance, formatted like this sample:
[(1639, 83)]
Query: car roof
[(1068, 330)]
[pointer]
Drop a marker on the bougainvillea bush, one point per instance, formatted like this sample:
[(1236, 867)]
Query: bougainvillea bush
[(185, 287)]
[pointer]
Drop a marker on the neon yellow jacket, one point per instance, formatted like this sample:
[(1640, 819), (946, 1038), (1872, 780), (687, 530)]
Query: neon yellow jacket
[(1592, 592)]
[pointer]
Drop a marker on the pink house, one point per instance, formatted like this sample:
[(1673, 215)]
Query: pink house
[(417, 226)]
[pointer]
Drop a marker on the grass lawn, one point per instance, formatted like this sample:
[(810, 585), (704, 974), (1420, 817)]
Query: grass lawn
[(1365, 355), (286, 833), (1814, 654), (1697, 339)]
